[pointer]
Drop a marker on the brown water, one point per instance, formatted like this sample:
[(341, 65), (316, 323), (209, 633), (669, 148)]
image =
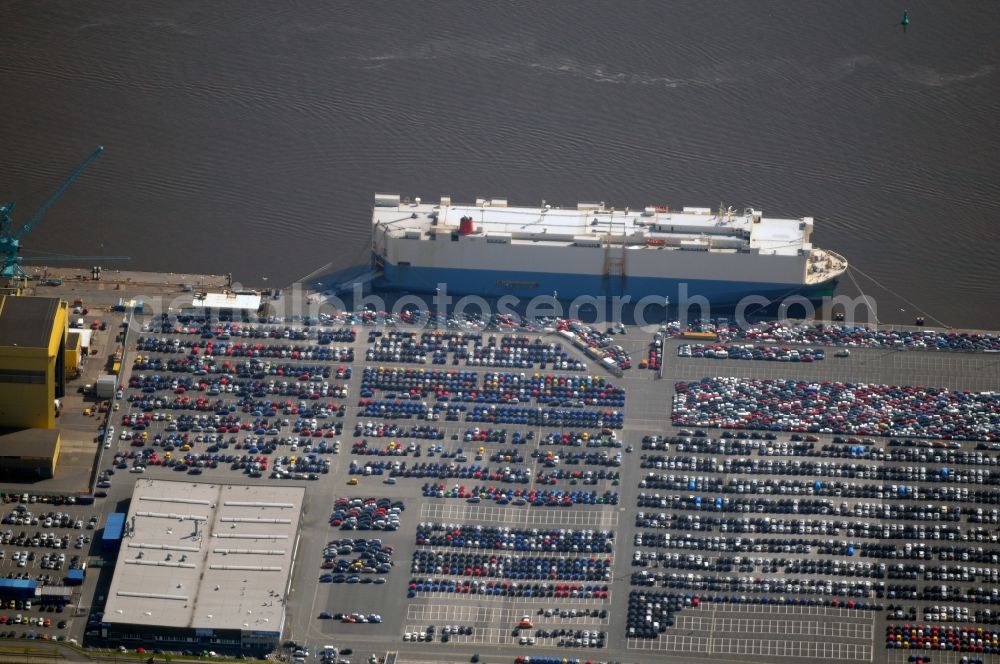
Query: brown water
[(250, 136)]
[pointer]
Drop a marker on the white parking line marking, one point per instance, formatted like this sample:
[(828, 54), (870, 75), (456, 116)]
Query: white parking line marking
[(859, 614), (472, 613), (754, 647), (848, 630), (710, 623)]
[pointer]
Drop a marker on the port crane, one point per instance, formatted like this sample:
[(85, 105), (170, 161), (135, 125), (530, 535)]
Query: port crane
[(10, 237)]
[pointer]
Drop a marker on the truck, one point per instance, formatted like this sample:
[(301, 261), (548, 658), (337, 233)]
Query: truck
[(114, 525), (700, 336), (105, 387), (18, 588)]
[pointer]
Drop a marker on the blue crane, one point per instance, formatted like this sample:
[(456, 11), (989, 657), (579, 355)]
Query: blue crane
[(10, 239)]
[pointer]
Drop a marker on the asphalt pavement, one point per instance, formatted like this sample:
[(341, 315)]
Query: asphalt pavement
[(736, 632)]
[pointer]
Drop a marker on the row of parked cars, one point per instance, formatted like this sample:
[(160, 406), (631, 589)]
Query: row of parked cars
[(49, 540), (467, 536), (519, 496), (860, 336), (32, 498), (430, 633), (837, 407), (506, 588), (521, 567), (750, 352), (268, 328)]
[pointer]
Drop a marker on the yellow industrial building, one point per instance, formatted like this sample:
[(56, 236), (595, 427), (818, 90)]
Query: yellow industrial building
[(32, 360), (29, 453), (33, 355), (74, 353)]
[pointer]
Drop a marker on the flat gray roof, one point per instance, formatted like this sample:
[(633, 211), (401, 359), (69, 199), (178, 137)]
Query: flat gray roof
[(206, 556), (29, 443), (27, 321)]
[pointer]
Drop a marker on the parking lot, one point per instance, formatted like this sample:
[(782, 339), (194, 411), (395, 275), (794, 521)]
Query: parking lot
[(763, 571), (160, 436), (42, 538), (735, 629)]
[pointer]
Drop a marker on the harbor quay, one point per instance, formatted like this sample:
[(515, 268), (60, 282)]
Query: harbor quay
[(539, 490)]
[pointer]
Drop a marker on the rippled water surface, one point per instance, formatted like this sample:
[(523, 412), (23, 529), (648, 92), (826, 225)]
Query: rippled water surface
[(250, 136)]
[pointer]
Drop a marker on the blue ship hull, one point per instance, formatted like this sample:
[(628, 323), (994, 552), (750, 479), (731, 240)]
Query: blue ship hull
[(525, 285)]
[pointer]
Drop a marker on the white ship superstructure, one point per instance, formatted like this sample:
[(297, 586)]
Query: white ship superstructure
[(493, 249)]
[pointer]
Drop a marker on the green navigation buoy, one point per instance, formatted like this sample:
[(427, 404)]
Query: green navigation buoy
[(906, 18)]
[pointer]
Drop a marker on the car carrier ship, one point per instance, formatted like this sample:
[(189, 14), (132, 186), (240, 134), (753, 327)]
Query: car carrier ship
[(492, 249)]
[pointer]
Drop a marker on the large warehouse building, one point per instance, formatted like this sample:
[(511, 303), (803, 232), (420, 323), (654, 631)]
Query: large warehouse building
[(204, 566), (32, 360), (228, 305)]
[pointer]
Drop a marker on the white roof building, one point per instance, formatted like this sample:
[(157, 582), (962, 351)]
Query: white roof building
[(206, 559), (228, 300)]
